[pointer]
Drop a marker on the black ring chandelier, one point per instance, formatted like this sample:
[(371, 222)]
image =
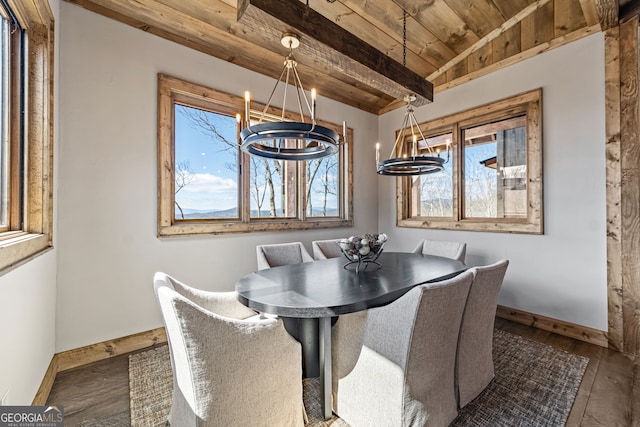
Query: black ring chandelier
[(272, 139), (414, 164)]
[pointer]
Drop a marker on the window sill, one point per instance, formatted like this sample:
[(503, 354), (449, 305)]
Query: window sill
[(183, 229), (487, 225), (17, 248)]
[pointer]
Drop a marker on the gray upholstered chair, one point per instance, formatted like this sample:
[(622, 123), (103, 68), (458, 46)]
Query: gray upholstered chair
[(324, 249), (395, 365), (226, 370), (474, 369), (453, 250), (281, 254)]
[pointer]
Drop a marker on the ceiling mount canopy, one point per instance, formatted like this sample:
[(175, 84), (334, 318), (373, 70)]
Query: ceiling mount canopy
[(332, 46), (284, 139)]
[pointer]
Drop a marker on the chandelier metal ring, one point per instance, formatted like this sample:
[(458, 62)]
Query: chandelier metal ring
[(408, 166), (284, 139), (258, 140)]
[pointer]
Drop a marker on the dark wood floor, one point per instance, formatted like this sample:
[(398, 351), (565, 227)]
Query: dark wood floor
[(609, 394)]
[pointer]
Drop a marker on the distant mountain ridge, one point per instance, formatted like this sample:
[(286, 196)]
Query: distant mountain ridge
[(233, 213)]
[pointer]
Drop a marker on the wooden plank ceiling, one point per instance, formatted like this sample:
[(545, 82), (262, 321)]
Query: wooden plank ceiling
[(448, 42)]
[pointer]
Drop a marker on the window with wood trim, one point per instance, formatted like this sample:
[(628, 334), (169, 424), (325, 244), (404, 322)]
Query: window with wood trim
[(492, 180), (26, 81), (208, 185)]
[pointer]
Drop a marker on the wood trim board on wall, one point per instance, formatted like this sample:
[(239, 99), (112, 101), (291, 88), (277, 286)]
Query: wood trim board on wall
[(622, 124), (95, 352), (571, 330)]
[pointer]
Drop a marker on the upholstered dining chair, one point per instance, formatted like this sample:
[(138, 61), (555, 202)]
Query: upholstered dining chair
[(281, 254), (475, 370), (228, 370), (324, 249), (394, 365), (453, 250)]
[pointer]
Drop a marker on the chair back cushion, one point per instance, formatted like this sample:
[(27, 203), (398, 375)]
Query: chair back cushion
[(405, 369), (281, 254), (453, 250), (475, 369), (228, 371), (324, 249)]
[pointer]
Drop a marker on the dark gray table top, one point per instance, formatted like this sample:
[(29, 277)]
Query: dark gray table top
[(324, 288)]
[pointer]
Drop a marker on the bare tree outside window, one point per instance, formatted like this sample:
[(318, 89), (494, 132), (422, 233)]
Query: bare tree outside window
[(184, 177), (493, 181), (491, 152), (206, 172), (434, 192), (322, 187), (208, 185)]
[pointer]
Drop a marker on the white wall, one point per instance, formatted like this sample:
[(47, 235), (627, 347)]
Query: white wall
[(28, 307), (561, 274), (108, 249), (27, 327)]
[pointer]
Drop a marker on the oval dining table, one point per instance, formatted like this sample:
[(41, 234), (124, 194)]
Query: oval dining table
[(309, 295)]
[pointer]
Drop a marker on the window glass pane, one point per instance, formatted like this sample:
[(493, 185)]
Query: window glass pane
[(5, 51), (322, 187), (206, 164), (273, 187), (495, 170), (432, 194)]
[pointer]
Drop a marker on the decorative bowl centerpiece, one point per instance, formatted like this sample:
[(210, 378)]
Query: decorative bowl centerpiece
[(361, 250)]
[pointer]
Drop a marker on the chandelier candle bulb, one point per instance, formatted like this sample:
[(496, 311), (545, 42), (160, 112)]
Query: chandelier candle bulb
[(377, 153), (247, 99), (313, 105)]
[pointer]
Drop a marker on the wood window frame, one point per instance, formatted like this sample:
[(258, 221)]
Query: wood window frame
[(172, 89), (31, 224), (529, 103)]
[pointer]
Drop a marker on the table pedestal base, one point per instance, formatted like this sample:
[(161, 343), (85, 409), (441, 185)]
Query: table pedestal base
[(325, 366), (315, 337), (306, 332)]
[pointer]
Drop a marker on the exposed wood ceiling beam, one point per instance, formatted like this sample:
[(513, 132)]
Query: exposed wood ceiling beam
[(629, 10), (327, 42), (590, 12), (607, 13), (489, 37)]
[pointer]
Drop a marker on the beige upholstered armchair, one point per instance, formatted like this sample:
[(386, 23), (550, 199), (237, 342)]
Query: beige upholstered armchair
[(453, 250), (228, 371), (281, 254), (394, 365), (475, 350), (324, 249)]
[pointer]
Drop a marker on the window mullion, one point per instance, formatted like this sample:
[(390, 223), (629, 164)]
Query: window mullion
[(458, 172), (244, 179), (16, 137)]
